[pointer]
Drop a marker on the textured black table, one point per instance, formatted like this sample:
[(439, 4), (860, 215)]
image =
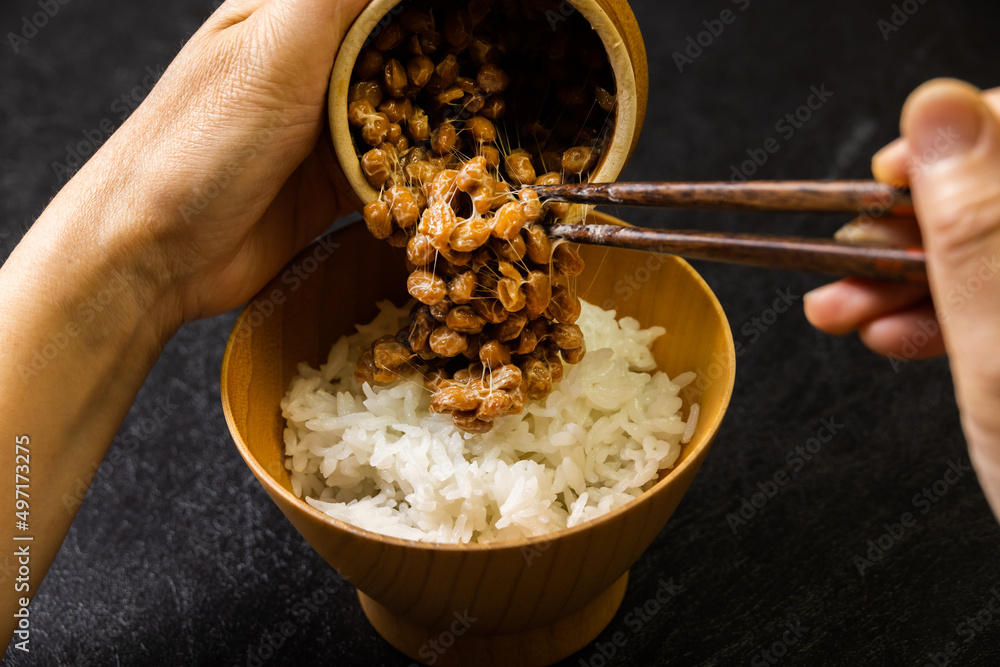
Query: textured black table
[(177, 557)]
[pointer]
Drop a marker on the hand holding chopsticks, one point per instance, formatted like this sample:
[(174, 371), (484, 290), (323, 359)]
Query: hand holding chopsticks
[(822, 255)]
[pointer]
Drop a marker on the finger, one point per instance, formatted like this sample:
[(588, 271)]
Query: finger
[(295, 43), (881, 231), (954, 132), (315, 25), (232, 12), (244, 105), (956, 190), (276, 229), (992, 99), (889, 164), (847, 305), (911, 334)]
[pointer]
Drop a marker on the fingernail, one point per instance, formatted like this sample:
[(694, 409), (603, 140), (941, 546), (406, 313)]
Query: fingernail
[(819, 292), (888, 165), (854, 231), (943, 120), (889, 149), (875, 232)]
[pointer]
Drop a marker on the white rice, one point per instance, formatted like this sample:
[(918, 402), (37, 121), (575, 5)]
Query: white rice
[(378, 459)]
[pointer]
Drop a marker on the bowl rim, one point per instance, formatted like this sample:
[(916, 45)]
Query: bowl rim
[(272, 486), (611, 163)]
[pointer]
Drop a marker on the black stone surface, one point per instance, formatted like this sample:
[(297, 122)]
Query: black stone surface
[(177, 556)]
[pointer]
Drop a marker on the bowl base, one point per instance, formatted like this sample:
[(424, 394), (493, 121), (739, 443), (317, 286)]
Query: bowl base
[(535, 647)]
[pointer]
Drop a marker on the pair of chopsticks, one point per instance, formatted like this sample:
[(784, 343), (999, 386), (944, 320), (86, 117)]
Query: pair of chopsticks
[(866, 198)]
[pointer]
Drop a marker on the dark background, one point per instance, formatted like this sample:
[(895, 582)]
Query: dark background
[(177, 556)]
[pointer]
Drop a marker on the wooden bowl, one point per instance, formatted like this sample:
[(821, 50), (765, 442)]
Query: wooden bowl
[(537, 600), (615, 24)]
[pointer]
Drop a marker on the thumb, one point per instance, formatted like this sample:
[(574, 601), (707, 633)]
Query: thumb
[(302, 39), (241, 105), (954, 140)]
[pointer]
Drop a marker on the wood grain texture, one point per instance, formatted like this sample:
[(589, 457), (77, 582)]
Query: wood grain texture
[(513, 589), (628, 26), (612, 19), (869, 198), (539, 646), (776, 252)]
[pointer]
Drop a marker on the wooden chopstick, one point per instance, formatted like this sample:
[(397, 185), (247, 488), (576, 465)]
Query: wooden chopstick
[(802, 254), (869, 198)]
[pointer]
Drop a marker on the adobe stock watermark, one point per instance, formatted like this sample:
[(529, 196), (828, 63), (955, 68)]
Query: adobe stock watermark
[(759, 325), (215, 185), (967, 630), (317, 604), (635, 620), (915, 167), (559, 14), (773, 654), (384, 23), (696, 44), (786, 127), (85, 313), (959, 296), (628, 286), (954, 301), (225, 522), (144, 429), (924, 501), (898, 17), (868, 215), (432, 651), (121, 108), (533, 551), (795, 460), (292, 278), (32, 24), (981, 619), (752, 330)]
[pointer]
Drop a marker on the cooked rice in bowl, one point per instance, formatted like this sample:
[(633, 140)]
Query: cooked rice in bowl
[(378, 459)]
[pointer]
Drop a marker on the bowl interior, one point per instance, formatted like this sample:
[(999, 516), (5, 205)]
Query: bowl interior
[(552, 593), (336, 282)]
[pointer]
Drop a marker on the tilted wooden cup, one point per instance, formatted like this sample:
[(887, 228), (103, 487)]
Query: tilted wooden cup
[(534, 601), (614, 23)]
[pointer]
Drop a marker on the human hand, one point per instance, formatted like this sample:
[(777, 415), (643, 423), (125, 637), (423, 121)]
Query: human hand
[(949, 155), (218, 166), (186, 211)]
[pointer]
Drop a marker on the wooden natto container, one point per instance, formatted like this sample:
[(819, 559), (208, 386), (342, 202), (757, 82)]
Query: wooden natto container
[(614, 23)]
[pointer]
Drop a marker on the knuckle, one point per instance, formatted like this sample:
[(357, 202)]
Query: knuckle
[(962, 226)]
